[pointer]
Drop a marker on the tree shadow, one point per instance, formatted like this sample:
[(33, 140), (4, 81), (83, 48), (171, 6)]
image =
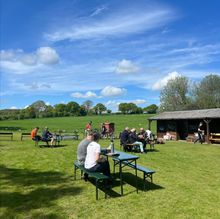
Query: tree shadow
[(40, 189)]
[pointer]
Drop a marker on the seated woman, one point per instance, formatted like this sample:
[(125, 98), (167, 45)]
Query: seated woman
[(46, 136), (93, 161)]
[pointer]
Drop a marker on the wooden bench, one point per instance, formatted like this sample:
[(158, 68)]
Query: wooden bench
[(6, 134), (96, 175), (215, 137), (57, 141), (25, 134), (131, 147), (147, 173)]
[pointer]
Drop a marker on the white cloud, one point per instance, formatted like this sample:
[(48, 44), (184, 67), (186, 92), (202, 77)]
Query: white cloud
[(88, 94), (139, 101), (162, 82), (129, 21), (47, 55), (16, 61), (126, 66), (110, 91), (112, 105), (13, 107), (99, 11)]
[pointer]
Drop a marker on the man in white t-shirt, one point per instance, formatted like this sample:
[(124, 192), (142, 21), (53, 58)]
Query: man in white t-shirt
[(93, 161)]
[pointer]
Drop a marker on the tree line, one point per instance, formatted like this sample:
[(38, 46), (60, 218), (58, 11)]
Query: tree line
[(39, 109), (178, 94)]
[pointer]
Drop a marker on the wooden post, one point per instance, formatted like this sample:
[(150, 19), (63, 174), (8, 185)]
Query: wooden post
[(207, 121), (149, 124)]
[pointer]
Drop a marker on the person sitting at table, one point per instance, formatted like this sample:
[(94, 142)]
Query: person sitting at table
[(46, 136), (142, 138), (133, 139), (94, 162), (124, 138)]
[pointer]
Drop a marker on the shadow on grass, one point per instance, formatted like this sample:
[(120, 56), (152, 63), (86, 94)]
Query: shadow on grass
[(128, 178), (48, 146), (152, 150), (40, 189)]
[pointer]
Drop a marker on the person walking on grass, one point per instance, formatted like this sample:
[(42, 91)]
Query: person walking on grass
[(200, 134)]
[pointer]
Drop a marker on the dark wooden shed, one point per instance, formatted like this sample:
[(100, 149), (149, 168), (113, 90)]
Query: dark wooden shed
[(184, 124)]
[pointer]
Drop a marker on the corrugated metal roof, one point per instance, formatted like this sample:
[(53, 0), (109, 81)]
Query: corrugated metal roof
[(188, 114)]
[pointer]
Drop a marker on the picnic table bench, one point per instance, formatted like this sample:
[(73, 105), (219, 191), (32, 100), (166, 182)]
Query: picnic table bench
[(25, 134), (96, 175), (147, 173), (215, 137), (6, 134), (57, 140)]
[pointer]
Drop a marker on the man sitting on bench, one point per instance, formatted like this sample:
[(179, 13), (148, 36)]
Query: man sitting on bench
[(95, 163), (34, 135)]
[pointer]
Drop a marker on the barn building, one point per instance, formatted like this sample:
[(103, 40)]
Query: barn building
[(183, 125)]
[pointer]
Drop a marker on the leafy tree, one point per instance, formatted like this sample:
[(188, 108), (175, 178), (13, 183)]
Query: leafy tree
[(174, 95), (82, 111), (39, 107), (60, 109), (132, 108), (207, 93), (152, 109), (123, 107), (128, 108), (88, 105), (73, 108), (30, 112), (99, 108)]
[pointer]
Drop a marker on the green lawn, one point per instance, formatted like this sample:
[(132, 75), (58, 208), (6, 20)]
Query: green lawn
[(39, 183), (68, 124)]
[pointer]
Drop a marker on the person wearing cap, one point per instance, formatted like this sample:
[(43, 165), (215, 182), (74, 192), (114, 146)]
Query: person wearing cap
[(94, 161)]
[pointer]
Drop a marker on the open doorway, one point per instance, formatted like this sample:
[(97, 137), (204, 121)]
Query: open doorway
[(182, 129)]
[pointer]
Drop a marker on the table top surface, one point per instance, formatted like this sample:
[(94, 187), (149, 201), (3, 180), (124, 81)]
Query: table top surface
[(125, 156)]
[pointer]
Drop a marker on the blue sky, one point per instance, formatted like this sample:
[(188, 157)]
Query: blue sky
[(105, 51)]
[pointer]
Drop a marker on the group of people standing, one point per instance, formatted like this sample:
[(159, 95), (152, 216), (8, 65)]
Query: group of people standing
[(140, 139), (47, 136)]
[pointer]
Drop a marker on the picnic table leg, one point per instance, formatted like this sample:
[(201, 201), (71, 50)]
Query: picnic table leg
[(120, 172), (136, 174), (96, 185), (144, 177)]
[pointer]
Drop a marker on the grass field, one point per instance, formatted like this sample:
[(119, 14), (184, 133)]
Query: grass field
[(39, 182), (68, 124)]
